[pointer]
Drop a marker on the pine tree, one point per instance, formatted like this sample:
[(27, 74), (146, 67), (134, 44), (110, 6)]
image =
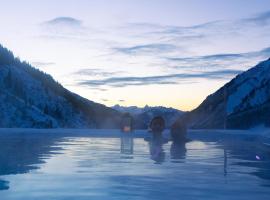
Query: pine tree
[(18, 88), (46, 110), (58, 113), (8, 79)]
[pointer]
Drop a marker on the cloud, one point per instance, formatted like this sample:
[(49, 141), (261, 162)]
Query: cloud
[(259, 19), (146, 48), (265, 51), (161, 79), (63, 28), (63, 21), (189, 40), (96, 72), (194, 32), (174, 50), (158, 28), (222, 56), (219, 61), (42, 64), (213, 57), (200, 33)]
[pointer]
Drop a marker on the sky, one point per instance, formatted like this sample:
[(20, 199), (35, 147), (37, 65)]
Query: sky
[(171, 53)]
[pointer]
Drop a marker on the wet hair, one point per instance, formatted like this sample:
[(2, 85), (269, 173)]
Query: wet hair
[(158, 118)]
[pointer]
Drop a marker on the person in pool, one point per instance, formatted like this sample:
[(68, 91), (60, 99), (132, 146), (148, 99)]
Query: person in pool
[(179, 132), (156, 140), (127, 123), (179, 139), (157, 126)]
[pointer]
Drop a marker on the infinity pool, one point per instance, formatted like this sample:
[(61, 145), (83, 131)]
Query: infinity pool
[(108, 165)]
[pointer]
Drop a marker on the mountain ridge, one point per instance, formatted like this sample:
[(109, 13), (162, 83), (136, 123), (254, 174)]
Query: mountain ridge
[(242, 103), (32, 98)]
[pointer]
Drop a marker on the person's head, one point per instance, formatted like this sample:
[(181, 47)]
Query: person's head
[(126, 124), (157, 124), (178, 131)]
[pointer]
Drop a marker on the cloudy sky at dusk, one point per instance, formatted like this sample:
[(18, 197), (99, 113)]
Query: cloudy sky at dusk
[(135, 52)]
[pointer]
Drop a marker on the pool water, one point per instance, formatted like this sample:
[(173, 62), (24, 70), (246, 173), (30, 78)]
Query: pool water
[(76, 166)]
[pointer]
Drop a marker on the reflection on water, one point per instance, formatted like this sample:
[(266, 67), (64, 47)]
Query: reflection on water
[(178, 151), (68, 167), (248, 152), (156, 150), (225, 162), (127, 145), (19, 153)]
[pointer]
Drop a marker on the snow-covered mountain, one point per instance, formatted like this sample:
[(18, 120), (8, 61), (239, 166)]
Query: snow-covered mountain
[(31, 98), (134, 110), (242, 103), (142, 116)]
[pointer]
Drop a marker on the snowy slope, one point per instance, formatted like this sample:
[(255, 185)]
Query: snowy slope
[(31, 98), (242, 103), (250, 89)]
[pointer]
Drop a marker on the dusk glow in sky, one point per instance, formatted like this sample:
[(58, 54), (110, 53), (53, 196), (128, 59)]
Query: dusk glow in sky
[(172, 53)]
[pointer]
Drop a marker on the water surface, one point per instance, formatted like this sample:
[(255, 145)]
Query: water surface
[(76, 166)]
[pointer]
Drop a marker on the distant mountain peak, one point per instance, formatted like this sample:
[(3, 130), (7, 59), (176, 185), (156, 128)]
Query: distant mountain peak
[(143, 115)]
